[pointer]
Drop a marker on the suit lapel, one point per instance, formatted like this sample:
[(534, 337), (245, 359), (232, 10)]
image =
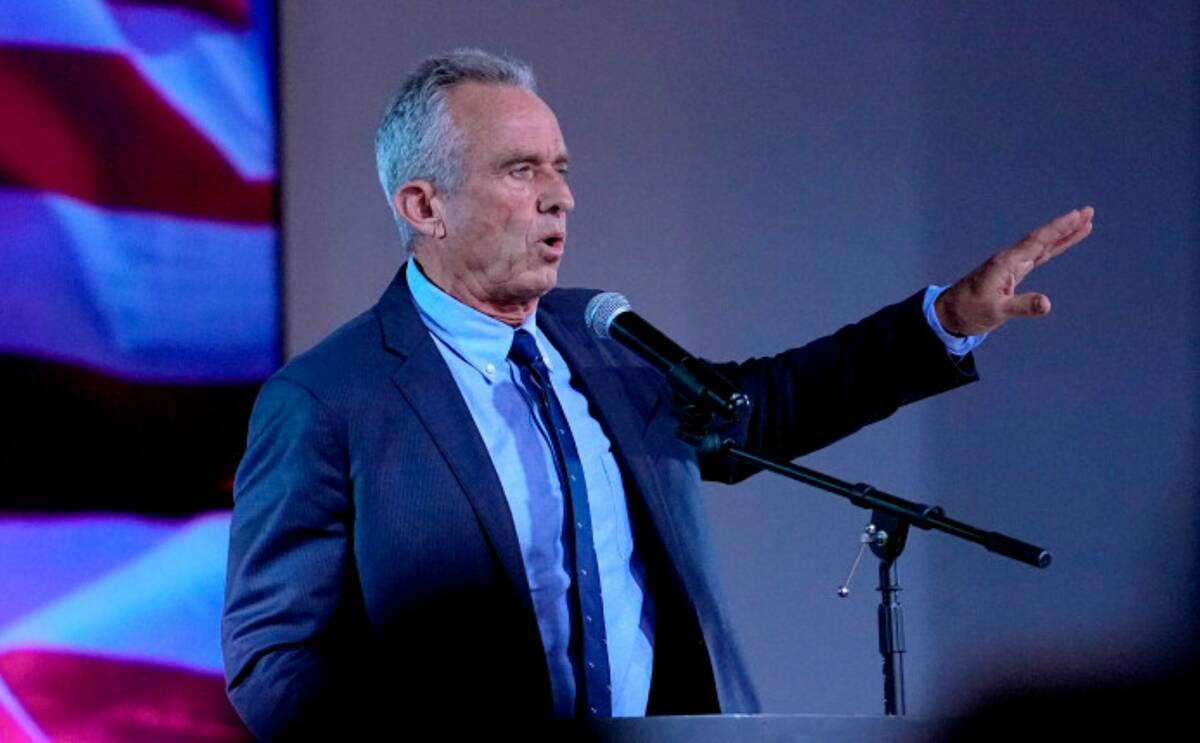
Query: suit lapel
[(424, 380)]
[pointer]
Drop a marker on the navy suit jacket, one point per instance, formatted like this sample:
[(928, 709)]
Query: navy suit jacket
[(371, 537)]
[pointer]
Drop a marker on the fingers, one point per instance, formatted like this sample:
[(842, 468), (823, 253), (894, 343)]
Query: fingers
[(1062, 227), (1055, 236), (1031, 304), (1064, 243)]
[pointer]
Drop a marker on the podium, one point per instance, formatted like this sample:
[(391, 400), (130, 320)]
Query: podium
[(764, 729)]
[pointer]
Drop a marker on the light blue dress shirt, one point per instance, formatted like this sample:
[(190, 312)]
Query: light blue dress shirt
[(475, 348), (957, 345)]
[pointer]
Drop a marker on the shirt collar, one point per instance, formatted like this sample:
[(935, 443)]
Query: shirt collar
[(481, 341)]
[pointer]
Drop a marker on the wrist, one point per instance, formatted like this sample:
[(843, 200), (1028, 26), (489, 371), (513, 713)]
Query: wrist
[(944, 308)]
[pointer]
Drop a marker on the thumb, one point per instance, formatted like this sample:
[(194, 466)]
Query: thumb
[(1027, 305)]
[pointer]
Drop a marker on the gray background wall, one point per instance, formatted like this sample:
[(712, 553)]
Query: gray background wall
[(752, 175)]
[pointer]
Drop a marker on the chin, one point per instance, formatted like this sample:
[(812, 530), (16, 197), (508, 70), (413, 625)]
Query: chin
[(543, 281)]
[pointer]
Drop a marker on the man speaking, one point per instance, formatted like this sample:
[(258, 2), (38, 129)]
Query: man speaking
[(463, 501)]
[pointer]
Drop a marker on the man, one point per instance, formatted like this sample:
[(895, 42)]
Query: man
[(465, 493)]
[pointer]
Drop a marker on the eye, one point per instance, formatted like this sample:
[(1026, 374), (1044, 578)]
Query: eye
[(521, 171)]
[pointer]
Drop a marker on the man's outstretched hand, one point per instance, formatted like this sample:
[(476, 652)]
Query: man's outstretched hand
[(984, 299)]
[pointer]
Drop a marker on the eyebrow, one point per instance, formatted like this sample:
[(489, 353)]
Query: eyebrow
[(515, 158)]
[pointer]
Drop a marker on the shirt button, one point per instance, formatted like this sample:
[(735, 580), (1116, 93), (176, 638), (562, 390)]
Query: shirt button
[(562, 432), (582, 571), (594, 710), (578, 524), (490, 369), (572, 478), (588, 618), (591, 664)]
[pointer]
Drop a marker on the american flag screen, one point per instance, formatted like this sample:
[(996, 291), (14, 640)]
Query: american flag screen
[(139, 311)]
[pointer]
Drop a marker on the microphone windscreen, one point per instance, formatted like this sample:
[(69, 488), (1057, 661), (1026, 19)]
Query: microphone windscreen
[(602, 309)]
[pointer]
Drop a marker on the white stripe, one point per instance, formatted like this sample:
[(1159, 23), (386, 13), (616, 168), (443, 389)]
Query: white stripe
[(215, 76), (140, 294), (18, 715), (163, 606)]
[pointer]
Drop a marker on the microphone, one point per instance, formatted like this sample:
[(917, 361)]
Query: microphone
[(608, 315)]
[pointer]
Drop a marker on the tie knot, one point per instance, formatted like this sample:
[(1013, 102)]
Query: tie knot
[(524, 349)]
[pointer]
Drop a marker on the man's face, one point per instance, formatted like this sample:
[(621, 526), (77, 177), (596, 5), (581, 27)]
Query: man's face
[(506, 224)]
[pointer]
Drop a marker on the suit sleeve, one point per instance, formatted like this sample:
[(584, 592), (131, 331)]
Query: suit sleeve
[(808, 397), (290, 572)]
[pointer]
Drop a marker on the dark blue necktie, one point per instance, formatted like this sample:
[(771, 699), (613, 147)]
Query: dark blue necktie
[(589, 644)]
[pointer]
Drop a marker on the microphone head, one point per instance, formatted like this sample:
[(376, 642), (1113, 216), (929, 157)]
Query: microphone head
[(602, 310)]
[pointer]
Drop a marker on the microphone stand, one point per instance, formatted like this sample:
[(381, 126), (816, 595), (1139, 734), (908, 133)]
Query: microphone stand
[(891, 517)]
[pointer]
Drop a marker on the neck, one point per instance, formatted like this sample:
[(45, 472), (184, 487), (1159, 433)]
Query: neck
[(513, 313)]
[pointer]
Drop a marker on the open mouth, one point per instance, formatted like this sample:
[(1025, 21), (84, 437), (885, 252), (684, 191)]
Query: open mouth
[(553, 241)]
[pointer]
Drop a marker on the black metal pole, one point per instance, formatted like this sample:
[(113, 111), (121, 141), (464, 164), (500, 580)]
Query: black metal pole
[(891, 638), (864, 496)]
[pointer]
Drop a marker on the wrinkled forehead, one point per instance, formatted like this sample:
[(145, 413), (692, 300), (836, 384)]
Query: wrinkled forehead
[(493, 119)]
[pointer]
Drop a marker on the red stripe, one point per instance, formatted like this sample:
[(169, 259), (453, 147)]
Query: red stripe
[(73, 696), (87, 125), (235, 13)]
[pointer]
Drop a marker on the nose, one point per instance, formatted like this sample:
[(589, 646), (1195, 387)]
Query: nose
[(556, 197)]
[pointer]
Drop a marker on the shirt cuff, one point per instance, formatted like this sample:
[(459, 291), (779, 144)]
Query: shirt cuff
[(954, 344)]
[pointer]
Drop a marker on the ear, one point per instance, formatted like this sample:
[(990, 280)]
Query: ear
[(417, 203)]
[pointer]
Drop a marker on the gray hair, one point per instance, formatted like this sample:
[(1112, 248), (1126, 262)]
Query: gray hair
[(417, 139)]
